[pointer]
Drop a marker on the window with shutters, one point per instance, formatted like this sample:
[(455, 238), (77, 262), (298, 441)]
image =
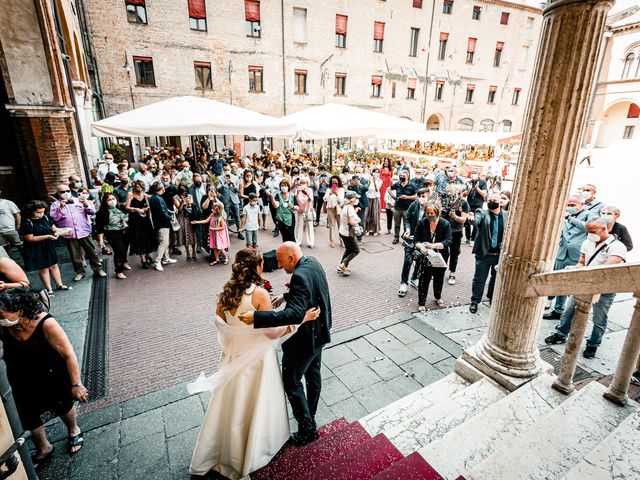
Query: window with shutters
[(487, 125), (300, 81), (471, 49), (469, 96), (378, 36), (413, 47), (300, 25), (197, 15), (376, 86), (255, 79), (504, 18), (442, 49), (439, 90), (341, 83), (628, 132), (136, 11), (475, 15), (447, 7), (252, 18), (203, 75), (498, 54), (516, 96), (144, 71), (411, 88), (465, 124), (341, 31), (492, 94)]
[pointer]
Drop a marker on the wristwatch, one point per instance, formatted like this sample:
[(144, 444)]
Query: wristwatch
[(76, 385)]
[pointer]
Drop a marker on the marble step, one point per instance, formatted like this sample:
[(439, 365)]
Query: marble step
[(615, 457), (480, 436), (557, 442), (406, 407), (434, 422)]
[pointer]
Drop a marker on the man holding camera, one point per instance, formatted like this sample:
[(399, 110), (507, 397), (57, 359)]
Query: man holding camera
[(229, 194), (74, 216)]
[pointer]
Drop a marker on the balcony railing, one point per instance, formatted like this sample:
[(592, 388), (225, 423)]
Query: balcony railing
[(586, 284)]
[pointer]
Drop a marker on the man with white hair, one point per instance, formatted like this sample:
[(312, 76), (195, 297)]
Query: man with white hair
[(600, 248)]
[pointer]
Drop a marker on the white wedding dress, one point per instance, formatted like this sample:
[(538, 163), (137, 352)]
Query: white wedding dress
[(246, 422)]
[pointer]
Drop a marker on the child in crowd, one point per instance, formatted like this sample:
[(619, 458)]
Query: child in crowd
[(218, 234), (250, 221)]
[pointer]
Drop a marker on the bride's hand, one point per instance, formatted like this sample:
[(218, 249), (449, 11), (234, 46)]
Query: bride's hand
[(311, 315)]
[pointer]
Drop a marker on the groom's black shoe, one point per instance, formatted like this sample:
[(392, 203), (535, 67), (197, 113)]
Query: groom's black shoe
[(302, 438)]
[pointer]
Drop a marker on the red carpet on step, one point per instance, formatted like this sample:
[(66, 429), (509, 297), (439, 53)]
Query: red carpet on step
[(413, 467), (291, 462), (360, 463)]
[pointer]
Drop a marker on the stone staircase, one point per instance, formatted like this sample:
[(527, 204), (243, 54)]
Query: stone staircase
[(459, 431)]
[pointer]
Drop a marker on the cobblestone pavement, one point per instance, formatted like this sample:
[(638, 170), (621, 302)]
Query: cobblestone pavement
[(161, 323)]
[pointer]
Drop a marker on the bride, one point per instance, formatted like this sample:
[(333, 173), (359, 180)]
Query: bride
[(246, 422)]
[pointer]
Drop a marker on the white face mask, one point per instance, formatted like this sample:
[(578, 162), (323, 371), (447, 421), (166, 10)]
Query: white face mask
[(284, 189), (5, 322), (593, 237), (65, 196), (474, 176), (112, 203)]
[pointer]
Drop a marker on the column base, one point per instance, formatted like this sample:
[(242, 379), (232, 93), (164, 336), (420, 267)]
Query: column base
[(472, 368)]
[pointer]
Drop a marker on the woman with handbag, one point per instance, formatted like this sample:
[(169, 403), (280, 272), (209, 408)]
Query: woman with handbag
[(112, 224), (433, 239), (349, 230), (284, 203), (305, 214), (141, 235)]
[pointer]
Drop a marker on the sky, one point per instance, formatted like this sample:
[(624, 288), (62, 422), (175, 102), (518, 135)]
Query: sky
[(619, 5)]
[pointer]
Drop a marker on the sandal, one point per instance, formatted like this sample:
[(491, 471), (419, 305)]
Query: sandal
[(64, 287), (44, 459), (76, 441), (215, 262)]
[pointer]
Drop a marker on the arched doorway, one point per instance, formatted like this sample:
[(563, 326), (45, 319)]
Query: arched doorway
[(487, 125), (434, 122), (621, 121), (465, 124)]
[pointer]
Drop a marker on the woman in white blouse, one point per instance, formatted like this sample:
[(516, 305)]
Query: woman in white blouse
[(333, 199), (372, 220)]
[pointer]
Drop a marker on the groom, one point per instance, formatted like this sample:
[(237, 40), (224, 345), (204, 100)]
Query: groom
[(302, 353)]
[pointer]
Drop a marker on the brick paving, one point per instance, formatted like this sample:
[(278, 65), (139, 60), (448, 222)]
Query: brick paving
[(161, 323)]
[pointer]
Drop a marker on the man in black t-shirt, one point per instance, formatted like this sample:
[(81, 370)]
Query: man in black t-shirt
[(404, 192), (457, 216)]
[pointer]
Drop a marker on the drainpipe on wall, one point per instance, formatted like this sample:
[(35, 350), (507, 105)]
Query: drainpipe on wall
[(67, 74), (14, 419), (423, 113), (284, 64)]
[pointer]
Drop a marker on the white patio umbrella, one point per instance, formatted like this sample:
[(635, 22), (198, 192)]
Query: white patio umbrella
[(334, 120), (191, 116)]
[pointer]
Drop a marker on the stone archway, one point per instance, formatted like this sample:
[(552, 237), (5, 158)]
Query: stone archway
[(435, 122), (620, 121)]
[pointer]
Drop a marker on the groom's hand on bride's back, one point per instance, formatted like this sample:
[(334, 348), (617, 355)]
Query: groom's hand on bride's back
[(246, 317)]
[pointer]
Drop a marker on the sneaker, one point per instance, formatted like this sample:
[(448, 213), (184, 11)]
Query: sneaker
[(169, 261), (554, 339), (635, 377), (473, 307), (471, 243), (396, 240), (552, 315), (158, 267), (414, 282), (78, 277), (452, 279), (589, 351), (422, 309), (100, 273), (402, 291), (120, 276), (439, 302)]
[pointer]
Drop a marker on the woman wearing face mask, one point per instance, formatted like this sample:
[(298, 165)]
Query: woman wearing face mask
[(284, 203), (432, 233), (349, 219), (111, 223), (305, 214), (42, 369), (39, 251), (186, 235), (610, 214), (141, 235), (333, 199), (247, 186), (263, 200), (372, 220)]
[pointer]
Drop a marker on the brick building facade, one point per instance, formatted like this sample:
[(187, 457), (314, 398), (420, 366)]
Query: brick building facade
[(460, 64)]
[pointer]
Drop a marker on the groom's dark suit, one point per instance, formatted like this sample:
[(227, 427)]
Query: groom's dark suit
[(302, 353)]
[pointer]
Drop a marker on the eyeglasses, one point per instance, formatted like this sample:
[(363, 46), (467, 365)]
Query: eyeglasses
[(65, 191)]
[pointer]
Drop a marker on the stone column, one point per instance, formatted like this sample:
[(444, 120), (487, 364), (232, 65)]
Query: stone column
[(565, 70)]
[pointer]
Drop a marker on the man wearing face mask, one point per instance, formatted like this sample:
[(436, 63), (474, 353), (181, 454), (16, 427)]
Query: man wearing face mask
[(590, 203), (229, 194), (491, 225), (108, 165), (600, 248), (414, 215), (404, 192), (75, 215), (272, 185), (185, 175), (478, 191), (571, 239), (443, 182)]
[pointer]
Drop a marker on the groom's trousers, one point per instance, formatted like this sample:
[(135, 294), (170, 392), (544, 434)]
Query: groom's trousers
[(296, 365)]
